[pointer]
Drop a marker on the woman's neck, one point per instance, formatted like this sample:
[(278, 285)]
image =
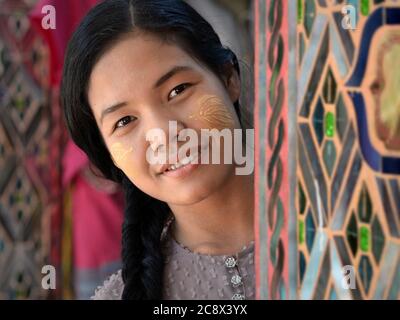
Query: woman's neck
[(220, 224)]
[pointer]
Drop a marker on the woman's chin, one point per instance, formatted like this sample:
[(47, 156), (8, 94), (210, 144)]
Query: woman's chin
[(188, 194), (192, 188)]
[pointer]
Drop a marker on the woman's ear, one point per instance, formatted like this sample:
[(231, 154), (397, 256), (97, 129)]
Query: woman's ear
[(232, 83)]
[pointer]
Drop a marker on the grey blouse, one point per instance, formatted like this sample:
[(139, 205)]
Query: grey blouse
[(189, 275)]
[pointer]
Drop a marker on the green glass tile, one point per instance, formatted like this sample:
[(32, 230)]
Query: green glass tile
[(300, 11), (329, 154), (301, 232), (309, 15), (20, 104), (330, 124), (364, 238), (378, 239), (302, 199), (351, 234), (364, 205), (365, 7), (18, 198)]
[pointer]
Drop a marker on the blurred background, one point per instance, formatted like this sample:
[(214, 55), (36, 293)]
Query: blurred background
[(321, 83)]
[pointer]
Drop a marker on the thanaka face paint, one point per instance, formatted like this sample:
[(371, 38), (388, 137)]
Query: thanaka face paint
[(214, 112), (120, 154)]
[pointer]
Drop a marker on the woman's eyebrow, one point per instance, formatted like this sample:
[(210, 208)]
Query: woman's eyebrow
[(170, 74), (175, 70), (111, 109)]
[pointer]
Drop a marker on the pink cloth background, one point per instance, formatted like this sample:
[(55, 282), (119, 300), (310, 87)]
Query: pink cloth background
[(96, 215)]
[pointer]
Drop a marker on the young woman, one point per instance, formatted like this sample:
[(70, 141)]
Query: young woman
[(133, 66)]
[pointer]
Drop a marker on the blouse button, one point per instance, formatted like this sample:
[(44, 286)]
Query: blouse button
[(230, 262), (236, 280), (238, 296)]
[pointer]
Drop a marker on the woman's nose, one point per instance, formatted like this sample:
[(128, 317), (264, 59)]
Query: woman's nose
[(165, 131)]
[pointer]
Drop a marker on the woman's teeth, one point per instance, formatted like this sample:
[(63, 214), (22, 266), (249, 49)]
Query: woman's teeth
[(181, 163)]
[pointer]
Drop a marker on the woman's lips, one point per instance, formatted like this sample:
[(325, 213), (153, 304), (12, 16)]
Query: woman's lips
[(182, 171), (185, 169)]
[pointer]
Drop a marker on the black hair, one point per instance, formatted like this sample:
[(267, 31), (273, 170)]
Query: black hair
[(174, 21)]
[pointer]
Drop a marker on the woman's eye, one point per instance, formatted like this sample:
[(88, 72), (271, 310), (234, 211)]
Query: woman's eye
[(124, 121), (178, 90)]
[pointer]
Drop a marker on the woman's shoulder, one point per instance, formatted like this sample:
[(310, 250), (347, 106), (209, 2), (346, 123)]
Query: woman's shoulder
[(111, 289)]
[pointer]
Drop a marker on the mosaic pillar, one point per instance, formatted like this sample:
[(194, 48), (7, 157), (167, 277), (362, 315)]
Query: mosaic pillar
[(327, 81), (271, 127)]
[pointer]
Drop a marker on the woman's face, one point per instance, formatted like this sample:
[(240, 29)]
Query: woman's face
[(142, 83)]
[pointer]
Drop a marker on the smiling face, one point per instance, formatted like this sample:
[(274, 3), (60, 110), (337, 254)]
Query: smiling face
[(142, 83)]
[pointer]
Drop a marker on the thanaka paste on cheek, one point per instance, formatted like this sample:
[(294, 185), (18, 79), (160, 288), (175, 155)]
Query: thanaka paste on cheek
[(119, 154), (214, 112)]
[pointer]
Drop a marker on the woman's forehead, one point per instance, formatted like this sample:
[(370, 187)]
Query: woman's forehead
[(132, 66), (145, 54)]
